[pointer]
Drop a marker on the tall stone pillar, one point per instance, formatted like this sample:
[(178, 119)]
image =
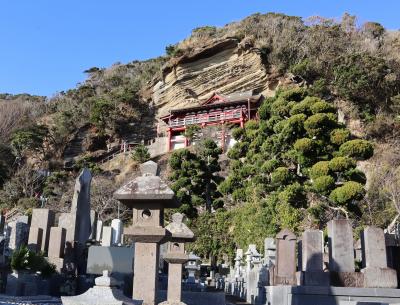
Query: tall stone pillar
[(176, 257), (148, 196)]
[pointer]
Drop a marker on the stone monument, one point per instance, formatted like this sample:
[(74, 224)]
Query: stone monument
[(312, 259), (148, 196), (19, 232), (42, 221), (284, 272), (341, 255), (117, 230), (376, 271), (176, 257), (269, 251), (81, 206)]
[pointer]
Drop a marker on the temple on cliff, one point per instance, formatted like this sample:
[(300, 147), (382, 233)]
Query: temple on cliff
[(219, 111)]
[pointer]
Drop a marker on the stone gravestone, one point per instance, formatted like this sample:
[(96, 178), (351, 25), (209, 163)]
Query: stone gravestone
[(35, 239), (341, 252), (42, 219), (312, 259), (19, 232), (117, 260), (106, 240), (67, 221), (253, 259), (93, 224), (376, 271), (269, 251), (77, 224), (2, 224), (176, 257), (117, 230), (285, 268), (148, 196), (99, 230), (81, 206), (56, 247), (341, 255)]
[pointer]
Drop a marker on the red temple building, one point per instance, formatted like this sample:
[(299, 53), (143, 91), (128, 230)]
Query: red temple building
[(218, 110)]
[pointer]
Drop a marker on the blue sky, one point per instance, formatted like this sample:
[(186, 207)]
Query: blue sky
[(47, 44)]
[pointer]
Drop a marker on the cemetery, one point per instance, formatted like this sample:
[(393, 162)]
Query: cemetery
[(71, 258), (254, 161)]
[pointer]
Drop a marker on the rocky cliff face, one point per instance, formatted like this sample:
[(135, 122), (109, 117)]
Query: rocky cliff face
[(224, 67)]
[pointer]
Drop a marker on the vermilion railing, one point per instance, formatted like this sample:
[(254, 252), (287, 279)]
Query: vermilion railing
[(206, 118)]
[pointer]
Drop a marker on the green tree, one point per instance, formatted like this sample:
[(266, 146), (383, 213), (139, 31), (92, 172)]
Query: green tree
[(297, 150), (208, 152), (101, 112), (194, 177), (29, 139), (186, 180), (191, 131), (213, 235), (6, 162), (141, 154)]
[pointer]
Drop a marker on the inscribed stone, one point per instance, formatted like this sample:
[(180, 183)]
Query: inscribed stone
[(341, 252)]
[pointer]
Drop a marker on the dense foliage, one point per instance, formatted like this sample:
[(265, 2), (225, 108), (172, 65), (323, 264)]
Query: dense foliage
[(23, 259), (194, 177), (141, 154), (294, 168)]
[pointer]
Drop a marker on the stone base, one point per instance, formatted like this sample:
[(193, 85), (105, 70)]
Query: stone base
[(313, 278), (15, 286), (313, 295), (379, 277), (347, 279), (280, 280), (194, 298), (23, 284), (98, 296), (172, 303)]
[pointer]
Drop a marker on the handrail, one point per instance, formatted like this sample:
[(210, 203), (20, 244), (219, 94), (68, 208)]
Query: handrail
[(206, 118)]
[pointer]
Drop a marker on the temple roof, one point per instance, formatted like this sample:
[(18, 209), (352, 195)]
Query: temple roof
[(217, 100)]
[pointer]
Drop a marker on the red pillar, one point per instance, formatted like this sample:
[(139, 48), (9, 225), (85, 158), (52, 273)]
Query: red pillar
[(169, 139), (186, 140), (241, 122), (241, 119)]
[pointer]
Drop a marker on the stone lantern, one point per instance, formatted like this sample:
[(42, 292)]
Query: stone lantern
[(192, 266), (148, 196), (176, 257)]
